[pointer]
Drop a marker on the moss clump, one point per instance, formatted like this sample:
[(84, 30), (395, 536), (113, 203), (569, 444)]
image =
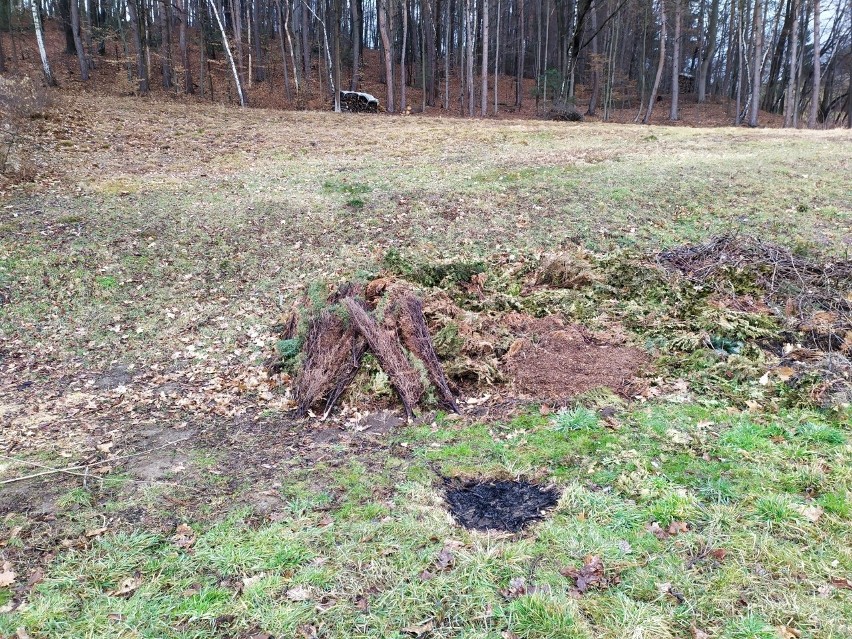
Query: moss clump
[(432, 274)]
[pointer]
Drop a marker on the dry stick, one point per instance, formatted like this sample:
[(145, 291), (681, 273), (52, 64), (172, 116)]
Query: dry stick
[(54, 471), (388, 351), (85, 475)]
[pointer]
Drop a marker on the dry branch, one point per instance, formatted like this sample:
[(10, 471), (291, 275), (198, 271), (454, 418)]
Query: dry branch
[(389, 353), (407, 311)]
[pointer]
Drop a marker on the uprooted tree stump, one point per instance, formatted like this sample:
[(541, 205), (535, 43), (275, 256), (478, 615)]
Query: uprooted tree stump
[(340, 330)]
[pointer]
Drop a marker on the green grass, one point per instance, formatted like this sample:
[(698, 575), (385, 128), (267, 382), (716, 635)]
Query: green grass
[(186, 263), (616, 483)]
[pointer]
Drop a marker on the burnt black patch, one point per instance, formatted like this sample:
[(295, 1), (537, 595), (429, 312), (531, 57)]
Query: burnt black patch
[(500, 505)]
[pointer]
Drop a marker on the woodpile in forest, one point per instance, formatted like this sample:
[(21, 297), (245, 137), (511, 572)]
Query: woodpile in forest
[(358, 102), (383, 318)]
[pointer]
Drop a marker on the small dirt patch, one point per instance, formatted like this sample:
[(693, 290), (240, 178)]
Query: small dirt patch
[(552, 360), (500, 505)]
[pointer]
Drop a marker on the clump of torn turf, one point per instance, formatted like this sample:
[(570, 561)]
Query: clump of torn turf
[(500, 504)]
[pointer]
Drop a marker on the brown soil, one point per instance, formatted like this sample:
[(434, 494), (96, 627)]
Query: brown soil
[(552, 360)]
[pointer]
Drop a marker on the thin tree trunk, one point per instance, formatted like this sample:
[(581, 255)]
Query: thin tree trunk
[(757, 30), (496, 56), (356, 45), (237, 82), (281, 29), (45, 64), (519, 86), (660, 64), (789, 95), (2, 56), (709, 52), (673, 114), (335, 17), (78, 41), (386, 45), (595, 62), (237, 26), (447, 38), (402, 74), (166, 42), (812, 118), (141, 67), (471, 37), (484, 96), (184, 51)]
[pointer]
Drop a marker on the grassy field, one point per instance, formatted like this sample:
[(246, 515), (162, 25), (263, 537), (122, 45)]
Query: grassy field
[(141, 276)]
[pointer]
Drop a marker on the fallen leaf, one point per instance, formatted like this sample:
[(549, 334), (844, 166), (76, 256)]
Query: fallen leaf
[(426, 575), (7, 575), (784, 373), (307, 631), (299, 593), (655, 529), (12, 534), (419, 630), (127, 586), (590, 575), (840, 582), (21, 633), (445, 559), (667, 589), (786, 632), (697, 633), (677, 527), (811, 513), (184, 536), (248, 582), (95, 532)]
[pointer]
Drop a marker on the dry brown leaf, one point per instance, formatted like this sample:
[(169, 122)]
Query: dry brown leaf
[(96, 532), (419, 630), (697, 633), (184, 536), (248, 582), (7, 575), (299, 593), (127, 586), (841, 582), (786, 632)]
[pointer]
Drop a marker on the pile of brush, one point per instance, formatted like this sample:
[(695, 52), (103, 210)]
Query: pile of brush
[(382, 317)]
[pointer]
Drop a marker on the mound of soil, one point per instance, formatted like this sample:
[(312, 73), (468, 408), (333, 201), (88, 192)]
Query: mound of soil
[(500, 505), (552, 360)]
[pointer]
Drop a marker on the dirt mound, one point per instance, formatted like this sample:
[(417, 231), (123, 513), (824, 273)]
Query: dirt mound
[(552, 360), (500, 505)]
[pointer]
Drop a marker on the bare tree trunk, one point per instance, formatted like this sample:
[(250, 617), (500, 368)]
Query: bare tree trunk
[(812, 118), (757, 65), (78, 41), (660, 64), (237, 19), (789, 94), (447, 37), (519, 86), (141, 67), (484, 96), (673, 114), (2, 57), (496, 56), (386, 45), (166, 42), (595, 62), (184, 52), (335, 16), (45, 64), (237, 82), (281, 29), (471, 37), (710, 51), (402, 75), (356, 45)]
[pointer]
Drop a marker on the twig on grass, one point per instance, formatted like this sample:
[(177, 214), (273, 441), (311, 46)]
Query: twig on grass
[(69, 470)]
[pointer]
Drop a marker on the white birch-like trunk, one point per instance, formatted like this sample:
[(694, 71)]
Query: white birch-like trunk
[(45, 64), (229, 54)]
